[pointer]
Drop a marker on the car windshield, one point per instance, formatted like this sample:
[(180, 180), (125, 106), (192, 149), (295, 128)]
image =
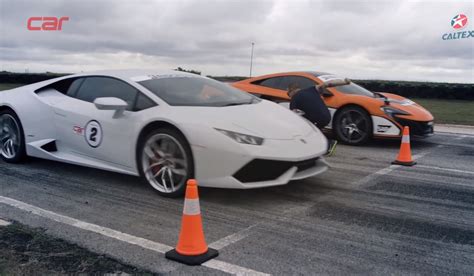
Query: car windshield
[(355, 89), (196, 91)]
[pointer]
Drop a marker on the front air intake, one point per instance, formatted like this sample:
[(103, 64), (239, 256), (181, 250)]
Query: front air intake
[(259, 170)]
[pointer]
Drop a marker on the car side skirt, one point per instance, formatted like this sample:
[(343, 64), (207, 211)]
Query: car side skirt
[(36, 149)]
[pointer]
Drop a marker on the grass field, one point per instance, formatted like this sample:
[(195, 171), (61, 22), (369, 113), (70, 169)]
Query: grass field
[(449, 111), (444, 111)]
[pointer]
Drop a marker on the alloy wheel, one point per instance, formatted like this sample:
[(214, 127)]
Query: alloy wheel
[(9, 136), (165, 163), (354, 126)]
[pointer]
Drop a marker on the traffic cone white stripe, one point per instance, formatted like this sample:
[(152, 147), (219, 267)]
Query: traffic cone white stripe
[(191, 207), (406, 139)]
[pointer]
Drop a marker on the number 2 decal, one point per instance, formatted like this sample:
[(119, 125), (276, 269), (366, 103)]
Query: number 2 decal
[(93, 133)]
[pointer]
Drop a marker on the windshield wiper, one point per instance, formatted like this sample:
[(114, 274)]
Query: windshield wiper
[(232, 104), (253, 100)]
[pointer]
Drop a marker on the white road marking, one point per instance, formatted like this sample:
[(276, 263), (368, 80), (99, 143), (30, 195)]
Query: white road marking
[(388, 169), (422, 154), (445, 169), (242, 234), (460, 137), (4, 222), (230, 268), (376, 174), (158, 247), (226, 241), (144, 243)]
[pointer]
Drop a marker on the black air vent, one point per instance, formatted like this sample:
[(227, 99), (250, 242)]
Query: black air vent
[(50, 147), (264, 170)]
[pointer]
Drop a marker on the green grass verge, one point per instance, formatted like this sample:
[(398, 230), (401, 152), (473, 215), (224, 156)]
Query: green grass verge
[(449, 111), (6, 86)]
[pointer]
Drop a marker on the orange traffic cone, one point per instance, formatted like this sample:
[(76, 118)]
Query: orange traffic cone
[(404, 156), (192, 247)]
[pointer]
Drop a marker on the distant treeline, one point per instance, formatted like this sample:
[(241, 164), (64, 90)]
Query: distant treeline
[(27, 78), (434, 90)]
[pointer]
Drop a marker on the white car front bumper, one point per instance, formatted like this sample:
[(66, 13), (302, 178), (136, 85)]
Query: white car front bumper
[(293, 173), (228, 164)]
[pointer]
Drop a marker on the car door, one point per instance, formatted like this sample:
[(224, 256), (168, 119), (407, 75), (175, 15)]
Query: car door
[(84, 130)]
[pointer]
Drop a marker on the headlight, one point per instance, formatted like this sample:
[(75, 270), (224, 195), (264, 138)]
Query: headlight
[(242, 138), (390, 111)]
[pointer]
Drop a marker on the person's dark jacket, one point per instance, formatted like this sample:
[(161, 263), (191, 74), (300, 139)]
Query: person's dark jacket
[(309, 101)]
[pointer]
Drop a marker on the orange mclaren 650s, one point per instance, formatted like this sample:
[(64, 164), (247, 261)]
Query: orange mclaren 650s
[(357, 113)]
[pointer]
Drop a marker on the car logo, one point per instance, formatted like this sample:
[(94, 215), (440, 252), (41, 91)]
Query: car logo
[(459, 21), (383, 128), (78, 130), (303, 141)]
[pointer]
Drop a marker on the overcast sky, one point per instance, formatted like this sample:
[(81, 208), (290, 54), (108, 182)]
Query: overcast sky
[(398, 40)]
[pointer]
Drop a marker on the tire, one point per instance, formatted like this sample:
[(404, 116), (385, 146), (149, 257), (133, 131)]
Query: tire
[(155, 170), (352, 125), (12, 137)]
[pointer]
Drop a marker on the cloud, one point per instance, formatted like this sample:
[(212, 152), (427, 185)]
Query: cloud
[(358, 39)]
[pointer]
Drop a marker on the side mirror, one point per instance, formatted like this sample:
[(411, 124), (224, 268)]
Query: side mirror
[(111, 103), (326, 93)]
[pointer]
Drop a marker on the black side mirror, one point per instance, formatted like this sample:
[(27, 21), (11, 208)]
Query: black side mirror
[(327, 93), (323, 90)]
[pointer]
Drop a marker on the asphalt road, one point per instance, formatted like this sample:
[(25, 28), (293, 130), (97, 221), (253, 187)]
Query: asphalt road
[(363, 216)]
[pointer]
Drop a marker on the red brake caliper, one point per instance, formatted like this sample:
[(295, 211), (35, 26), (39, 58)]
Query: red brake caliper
[(155, 169)]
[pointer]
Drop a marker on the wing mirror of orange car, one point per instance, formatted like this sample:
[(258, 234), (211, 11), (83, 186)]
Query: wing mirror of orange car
[(324, 91), (327, 93)]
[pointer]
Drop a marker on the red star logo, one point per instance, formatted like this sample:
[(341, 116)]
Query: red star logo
[(459, 21)]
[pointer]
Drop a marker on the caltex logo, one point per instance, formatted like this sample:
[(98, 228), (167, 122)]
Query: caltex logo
[(459, 21)]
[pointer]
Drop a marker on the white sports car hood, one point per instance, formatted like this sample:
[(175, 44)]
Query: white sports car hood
[(264, 119)]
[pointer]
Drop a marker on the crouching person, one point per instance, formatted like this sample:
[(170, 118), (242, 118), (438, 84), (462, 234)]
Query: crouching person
[(309, 103)]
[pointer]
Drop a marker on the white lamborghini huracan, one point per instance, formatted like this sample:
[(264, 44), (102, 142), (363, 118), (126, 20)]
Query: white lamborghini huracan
[(166, 127)]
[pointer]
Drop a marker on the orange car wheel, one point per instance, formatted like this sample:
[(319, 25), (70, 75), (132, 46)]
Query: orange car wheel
[(352, 125)]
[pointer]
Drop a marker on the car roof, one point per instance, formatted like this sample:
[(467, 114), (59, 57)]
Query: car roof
[(131, 75), (280, 74), (134, 74), (316, 73)]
